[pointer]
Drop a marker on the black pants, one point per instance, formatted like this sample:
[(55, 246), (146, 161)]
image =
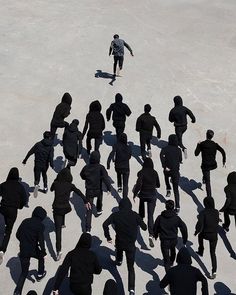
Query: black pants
[(168, 252), (119, 126), (10, 215), (212, 238), (97, 143), (151, 204), (207, 180), (88, 217), (130, 258), (123, 178), (174, 175), (145, 139), (37, 173), (120, 60), (227, 218), (179, 131), (25, 263), (54, 126), (59, 222), (78, 289)]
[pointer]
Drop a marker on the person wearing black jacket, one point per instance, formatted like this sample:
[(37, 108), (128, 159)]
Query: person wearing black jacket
[(126, 223), (178, 115), (144, 125), (209, 148), (229, 207), (72, 143), (145, 189), (43, 157), (95, 124), (13, 198), (183, 278), (121, 154), (119, 111), (171, 158), (82, 263), (32, 245), (94, 175), (63, 186), (166, 228), (207, 229), (110, 288), (61, 112)]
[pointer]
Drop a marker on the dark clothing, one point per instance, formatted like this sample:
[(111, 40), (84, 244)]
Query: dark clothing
[(118, 60), (212, 238), (110, 288), (78, 289), (206, 178), (230, 193), (59, 222), (38, 171), (168, 252), (123, 181), (174, 176), (88, 216), (179, 131), (151, 204), (95, 124), (117, 47)]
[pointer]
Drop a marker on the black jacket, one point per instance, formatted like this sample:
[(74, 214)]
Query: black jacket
[(72, 141), (12, 191), (208, 148), (81, 261), (183, 278), (30, 234), (145, 124), (62, 110), (230, 193), (119, 111), (171, 155), (126, 223), (179, 113), (167, 224)]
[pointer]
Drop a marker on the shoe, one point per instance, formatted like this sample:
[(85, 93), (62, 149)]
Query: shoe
[(131, 292), (63, 226), (119, 262), (41, 276), (59, 255), (168, 193), (199, 253), (88, 231), (17, 292), (212, 276), (36, 188), (119, 189), (185, 153), (225, 227), (45, 189), (177, 210), (1, 257), (151, 244), (149, 153), (99, 212)]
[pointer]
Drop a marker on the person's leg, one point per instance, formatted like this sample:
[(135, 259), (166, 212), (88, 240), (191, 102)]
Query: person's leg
[(125, 184), (45, 178), (58, 220), (53, 130), (88, 144), (119, 180), (200, 244), (207, 180), (226, 223), (175, 182), (37, 172), (41, 265), (213, 243), (151, 204), (165, 250), (10, 215), (142, 145), (148, 143), (172, 252), (130, 258), (121, 61), (115, 64), (88, 216), (167, 180), (25, 263), (98, 142), (179, 131), (78, 289), (141, 208), (119, 255), (99, 202)]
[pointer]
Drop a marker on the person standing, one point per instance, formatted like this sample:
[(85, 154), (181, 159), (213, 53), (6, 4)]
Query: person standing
[(178, 116), (119, 111), (14, 197), (43, 157), (145, 189), (166, 228), (117, 50), (208, 148), (144, 125), (126, 223)]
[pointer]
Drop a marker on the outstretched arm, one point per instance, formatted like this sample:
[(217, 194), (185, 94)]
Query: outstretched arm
[(221, 150), (128, 47), (184, 231), (30, 152), (198, 149), (105, 226)]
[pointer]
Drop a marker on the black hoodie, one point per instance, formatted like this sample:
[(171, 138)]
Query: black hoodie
[(72, 141), (12, 191), (145, 124), (81, 261), (183, 278), (126, 223), (179, 113), (110, 288), (62, 110), (230, 193)]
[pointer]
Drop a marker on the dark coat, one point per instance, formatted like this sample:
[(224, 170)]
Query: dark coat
[(230, 193), (72, 141), (62, 110), (145, 124)]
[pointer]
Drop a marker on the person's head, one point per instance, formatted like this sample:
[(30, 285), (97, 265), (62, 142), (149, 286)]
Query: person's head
[(125, 204), (94, 157), (75, 122), (183, 257), (209, 203), (173, 140), (95, 106), (178, 100), (64, 176), (231, 178), (85, 241), (13, 174), (118, 97), (209, 134), (116, 36), (66, 98), (32, 292), (110, 288), (170, 205), (47, 135), (148, 163), (147, 108), (40, 213)]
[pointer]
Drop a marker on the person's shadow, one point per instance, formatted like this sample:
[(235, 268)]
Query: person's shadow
[(56, 140), (222, 289), (109, 138), (49, 227), (159, 142), (105, 75), (227, 242), (64, 288), (58, 164), (136, 152), (79, 209)]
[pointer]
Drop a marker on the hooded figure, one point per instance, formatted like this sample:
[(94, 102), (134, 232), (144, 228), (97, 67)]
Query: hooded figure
[(126, 223), (110, 288), (119, 111), (182, 279), (82, 263)]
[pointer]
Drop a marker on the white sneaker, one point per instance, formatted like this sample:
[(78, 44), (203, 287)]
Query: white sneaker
[(1, 257), (99, 212), (36, 188), (185, 153)]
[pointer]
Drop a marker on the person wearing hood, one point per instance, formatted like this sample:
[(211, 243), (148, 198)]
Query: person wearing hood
[(94, 175), (207, 229), (110, 288), (121, 154), (95, 124), (178, 116), (229, 207), (32, 245), (63, 186), (208, 148), (119, 111), (144, 125), (61, 112), (166, 228), (183, 278), (14, 197), (117, 50), (145, 189), (171, 158), (43, 152), (82, 264), (126, 223), (72, 143)]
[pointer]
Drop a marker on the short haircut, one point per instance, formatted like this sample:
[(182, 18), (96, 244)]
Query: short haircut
[(170, 205), (209, 134), (116, 36)]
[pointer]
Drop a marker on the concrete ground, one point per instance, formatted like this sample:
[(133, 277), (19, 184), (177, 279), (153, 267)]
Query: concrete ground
[(181, 47)]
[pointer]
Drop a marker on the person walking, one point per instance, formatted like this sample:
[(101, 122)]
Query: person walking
[(63, 186), (94, 175), (182, 279), (207, 229), (171, 158), (145, 189), (126, 223), (82, 264), (43, 152), (117, 50), (119, 111), (32, 245), (178, 116), (121, 154), (208, 149), (166, 228), (95, 124), (144, 125), (14, 197)]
